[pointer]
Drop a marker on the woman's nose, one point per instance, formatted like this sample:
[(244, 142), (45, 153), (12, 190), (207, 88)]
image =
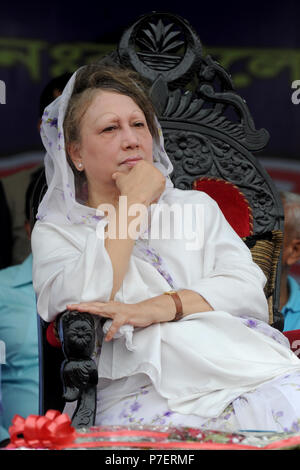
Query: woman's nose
[(129, 138)]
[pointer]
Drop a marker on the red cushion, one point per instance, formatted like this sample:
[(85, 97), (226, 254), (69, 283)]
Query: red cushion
[(231, 201), (51, 338), (294, 338)]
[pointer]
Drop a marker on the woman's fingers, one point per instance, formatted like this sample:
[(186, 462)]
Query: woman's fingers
[(119, 313), (106, 310), (111, 332), (91, 307), (118, 321)]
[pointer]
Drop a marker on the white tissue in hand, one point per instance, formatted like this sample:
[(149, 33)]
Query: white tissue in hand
[(125, 331)]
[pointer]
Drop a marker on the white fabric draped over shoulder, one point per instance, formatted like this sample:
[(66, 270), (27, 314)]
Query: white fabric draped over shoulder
[(72, 265)]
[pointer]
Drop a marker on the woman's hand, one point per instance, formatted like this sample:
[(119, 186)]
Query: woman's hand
[(154, 310), (143, 184), (141, 314)]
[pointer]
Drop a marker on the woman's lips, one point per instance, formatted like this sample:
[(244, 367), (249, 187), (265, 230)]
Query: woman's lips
[(131, 161)]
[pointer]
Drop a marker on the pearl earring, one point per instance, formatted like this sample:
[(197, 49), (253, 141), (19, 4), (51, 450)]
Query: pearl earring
[(80, 165)]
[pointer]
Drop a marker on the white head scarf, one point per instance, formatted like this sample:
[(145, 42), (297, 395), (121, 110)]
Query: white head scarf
[(61, 204)]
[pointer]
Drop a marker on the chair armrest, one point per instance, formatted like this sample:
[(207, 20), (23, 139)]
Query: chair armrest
[(78, 371)]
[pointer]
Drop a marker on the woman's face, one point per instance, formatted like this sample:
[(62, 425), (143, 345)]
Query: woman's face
[(114, 136)]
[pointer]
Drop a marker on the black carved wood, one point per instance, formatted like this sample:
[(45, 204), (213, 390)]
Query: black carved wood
[(207, 126), (79, 372)]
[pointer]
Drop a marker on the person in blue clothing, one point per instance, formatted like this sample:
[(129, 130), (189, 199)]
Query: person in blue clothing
[(290, 288), (19, 333)]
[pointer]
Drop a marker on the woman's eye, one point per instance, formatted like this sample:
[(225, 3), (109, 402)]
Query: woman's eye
[(139, 124), (109, 129)]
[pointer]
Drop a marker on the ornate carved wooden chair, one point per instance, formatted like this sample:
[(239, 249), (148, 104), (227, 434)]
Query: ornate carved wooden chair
[(210, 137)]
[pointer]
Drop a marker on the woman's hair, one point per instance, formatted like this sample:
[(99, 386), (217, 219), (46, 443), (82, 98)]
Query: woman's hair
[(92, 78)]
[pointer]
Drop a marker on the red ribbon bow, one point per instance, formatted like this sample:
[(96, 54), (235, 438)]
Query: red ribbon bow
[(52, 431)]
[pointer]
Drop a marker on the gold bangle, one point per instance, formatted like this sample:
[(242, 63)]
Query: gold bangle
[(178, 303)]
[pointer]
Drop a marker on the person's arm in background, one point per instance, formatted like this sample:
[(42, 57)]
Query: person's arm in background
[(4, 436)]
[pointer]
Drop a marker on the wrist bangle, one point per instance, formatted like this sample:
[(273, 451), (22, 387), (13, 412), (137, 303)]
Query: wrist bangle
[(178, 303)]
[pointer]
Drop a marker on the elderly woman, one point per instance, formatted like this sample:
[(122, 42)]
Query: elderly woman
[(186, 340)]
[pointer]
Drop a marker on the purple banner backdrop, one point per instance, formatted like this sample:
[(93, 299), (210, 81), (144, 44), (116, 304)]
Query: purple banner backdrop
[(258, 42)]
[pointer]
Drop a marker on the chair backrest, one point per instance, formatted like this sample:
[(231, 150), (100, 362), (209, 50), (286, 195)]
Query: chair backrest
[(210, 137), (208, 129)]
